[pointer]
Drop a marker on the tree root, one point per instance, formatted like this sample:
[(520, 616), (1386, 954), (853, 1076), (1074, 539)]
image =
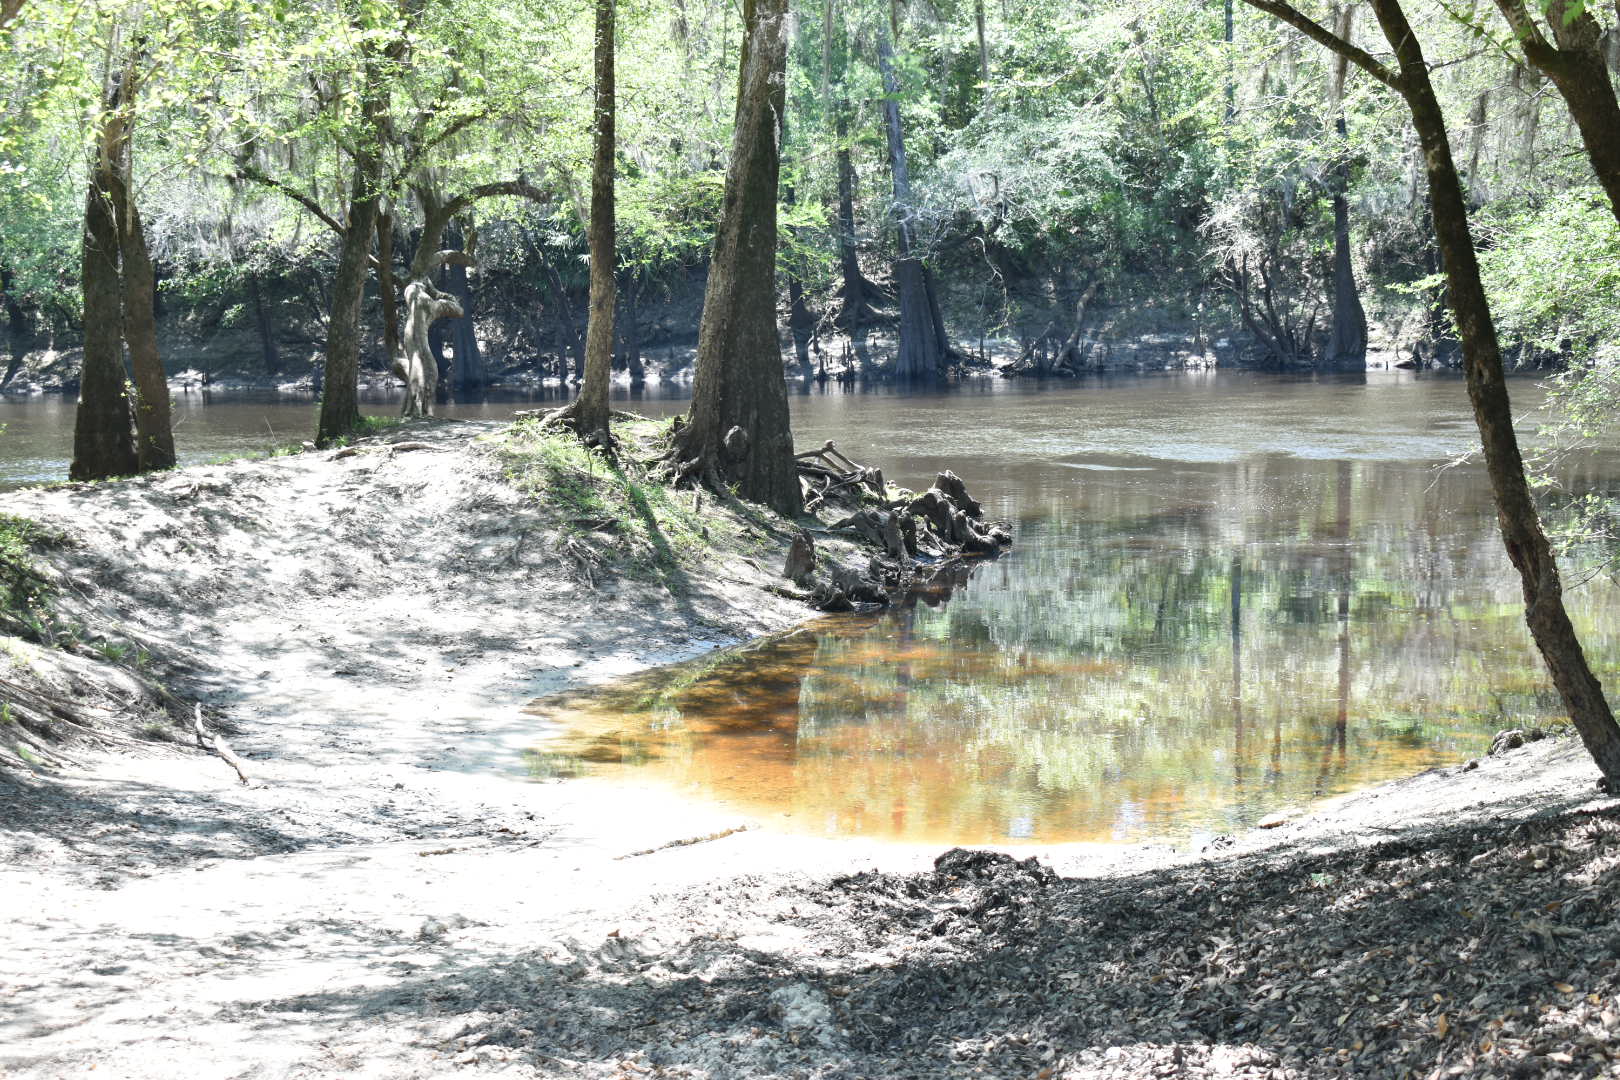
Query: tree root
[(567, 417), (43, 723), (837, 474)]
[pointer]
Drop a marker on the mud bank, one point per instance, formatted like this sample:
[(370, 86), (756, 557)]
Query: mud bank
[(392, 896)]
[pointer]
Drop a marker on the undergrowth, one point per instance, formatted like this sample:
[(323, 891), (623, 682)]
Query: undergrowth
[(24, 591), (617, 512)]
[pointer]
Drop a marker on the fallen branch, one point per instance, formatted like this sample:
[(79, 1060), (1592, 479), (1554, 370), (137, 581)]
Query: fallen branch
[(218, 744), (688, 842)]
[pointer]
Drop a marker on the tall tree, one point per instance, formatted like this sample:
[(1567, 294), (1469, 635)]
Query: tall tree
[(984, 51), (588, 415), (923, 348), (119, 291), (1575, 62), (738, 428), (103, 443), (856, 292), (340, 381), (1347, 333), (1526, 543)]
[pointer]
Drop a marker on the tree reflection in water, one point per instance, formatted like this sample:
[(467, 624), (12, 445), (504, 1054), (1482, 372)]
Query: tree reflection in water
[(1185, 653)]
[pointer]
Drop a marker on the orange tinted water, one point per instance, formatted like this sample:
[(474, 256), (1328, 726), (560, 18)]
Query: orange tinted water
[(1278, 597)]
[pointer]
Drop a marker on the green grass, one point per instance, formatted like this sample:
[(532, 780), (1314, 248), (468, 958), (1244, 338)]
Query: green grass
[(620, 511), (24, 591)]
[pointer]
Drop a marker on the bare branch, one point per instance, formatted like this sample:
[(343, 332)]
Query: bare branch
[(415, 153), (8, 11), (1323, 36), (248, 172), (438, 215)]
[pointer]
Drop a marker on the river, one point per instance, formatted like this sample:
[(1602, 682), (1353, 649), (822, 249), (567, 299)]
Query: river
[(1230, 594)]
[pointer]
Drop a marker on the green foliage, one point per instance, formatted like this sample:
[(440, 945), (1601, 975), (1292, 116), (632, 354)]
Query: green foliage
[(1553, 273), (24, 591)]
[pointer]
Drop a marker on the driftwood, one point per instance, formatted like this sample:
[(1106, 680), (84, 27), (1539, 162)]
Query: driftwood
[(215, 744), (687, 842)]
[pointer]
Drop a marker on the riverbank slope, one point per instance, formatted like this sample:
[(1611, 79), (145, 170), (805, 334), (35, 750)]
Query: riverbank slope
[(391, 896)]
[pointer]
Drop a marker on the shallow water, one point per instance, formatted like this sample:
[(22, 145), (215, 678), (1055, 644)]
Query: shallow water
[(1230, 594)]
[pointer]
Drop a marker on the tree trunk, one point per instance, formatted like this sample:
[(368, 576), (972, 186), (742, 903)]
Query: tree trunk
[(102, 442), (340, 381), (922, 350), (387, 286), (738, 428), (154, 435), (567, 327), (589, 415), (1347, 338), (424, 306), (15, 320), (267, 335), (467, 371), (1476, 138), (856, 306), (800, 324), (103, 445), (1231, 65), (629, 329), (856, 291), (1575, 63), (340, 397), (984, 52), (1526, 544)]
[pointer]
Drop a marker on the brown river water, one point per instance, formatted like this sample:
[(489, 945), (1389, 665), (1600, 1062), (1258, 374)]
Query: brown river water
[(1229, 594)]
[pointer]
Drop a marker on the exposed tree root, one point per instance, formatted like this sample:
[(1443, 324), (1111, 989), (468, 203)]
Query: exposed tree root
[(912, 532), (568, 418)]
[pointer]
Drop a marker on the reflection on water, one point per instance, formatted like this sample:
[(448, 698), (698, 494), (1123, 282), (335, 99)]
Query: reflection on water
[(1178, 647), (1230, 593)]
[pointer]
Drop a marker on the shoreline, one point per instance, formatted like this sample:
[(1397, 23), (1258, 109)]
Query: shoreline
[(382, 899)]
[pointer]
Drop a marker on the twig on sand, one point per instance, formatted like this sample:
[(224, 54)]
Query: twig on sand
[(688, 842), (215, 744)]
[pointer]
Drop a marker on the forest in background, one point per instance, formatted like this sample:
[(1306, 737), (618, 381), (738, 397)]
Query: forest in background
[(1069, 181)]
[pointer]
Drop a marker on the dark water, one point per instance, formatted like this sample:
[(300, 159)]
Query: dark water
[(36, 433), (1229, 594)]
